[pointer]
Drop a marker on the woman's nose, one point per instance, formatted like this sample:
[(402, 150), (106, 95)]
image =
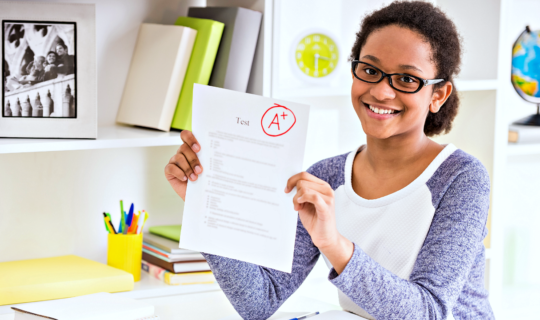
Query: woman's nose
[(382, 90)]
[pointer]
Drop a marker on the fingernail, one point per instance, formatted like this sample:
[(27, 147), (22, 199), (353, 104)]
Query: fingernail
[(192, 177), (198, 169), (184, 178), (195, 147), (286, 189)]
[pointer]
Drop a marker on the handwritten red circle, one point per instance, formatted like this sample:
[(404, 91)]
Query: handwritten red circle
[(278, 106)]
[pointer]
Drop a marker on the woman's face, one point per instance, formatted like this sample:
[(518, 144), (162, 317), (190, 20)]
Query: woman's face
[(394, 49), (51, 58), (60, 50)]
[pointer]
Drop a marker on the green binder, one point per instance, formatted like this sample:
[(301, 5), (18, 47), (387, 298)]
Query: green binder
[(170, 232), (200, 65)]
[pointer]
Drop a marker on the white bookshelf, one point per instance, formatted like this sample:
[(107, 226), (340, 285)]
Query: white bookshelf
[(113, 136)]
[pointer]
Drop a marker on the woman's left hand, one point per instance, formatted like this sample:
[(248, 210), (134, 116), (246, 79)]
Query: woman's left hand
[(314, 201)]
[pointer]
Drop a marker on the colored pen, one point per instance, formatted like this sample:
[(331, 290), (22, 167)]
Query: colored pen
[(129, 218), (123, 222), (108, 224), (133, 227), (141, 223), (309, 315)]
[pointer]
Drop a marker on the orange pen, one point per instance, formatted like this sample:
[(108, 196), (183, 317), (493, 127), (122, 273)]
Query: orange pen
[(133, 227)]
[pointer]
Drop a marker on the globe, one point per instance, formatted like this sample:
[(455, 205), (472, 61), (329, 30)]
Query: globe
[(526, 71)]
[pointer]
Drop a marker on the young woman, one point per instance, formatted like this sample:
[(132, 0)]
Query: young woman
[(400, 220)]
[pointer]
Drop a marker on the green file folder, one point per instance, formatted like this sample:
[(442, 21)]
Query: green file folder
[(200, 65)]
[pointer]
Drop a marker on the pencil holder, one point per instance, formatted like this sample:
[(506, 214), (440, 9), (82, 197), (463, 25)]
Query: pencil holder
[(125, 252)]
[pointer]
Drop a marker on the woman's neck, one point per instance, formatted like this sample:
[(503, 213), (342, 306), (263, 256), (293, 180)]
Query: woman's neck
[(391, 164), (396, 153)]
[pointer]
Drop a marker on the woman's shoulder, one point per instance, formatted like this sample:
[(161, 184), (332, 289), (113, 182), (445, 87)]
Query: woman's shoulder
[(459, 168), (331, 170)]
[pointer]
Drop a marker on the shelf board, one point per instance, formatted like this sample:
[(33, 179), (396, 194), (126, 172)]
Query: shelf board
[(147, 287), (114, 136), (520, 149)]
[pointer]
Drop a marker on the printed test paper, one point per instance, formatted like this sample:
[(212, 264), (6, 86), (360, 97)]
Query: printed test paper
[(250, 147)]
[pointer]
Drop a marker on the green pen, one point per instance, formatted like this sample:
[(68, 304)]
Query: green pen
[(123, 220)]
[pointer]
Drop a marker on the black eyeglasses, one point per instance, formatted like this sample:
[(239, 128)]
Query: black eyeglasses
[(401, 82)]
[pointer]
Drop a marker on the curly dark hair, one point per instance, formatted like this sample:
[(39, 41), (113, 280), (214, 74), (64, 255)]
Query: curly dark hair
[(441, 34)]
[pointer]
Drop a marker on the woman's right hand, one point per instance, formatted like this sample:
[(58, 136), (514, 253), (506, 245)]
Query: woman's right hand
[(184, 164)]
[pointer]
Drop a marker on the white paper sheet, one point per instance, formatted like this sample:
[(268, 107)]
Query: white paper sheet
[(250, 147)]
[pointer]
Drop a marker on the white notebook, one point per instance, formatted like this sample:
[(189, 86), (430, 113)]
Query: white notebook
[(97, 306), (156, 75)]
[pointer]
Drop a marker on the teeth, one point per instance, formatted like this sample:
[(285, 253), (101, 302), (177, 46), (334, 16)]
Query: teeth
[(380, 111)]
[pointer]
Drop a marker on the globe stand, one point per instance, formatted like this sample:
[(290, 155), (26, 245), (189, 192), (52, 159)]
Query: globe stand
[(532, 120)]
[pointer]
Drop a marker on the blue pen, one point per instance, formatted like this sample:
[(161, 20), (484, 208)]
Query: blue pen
[(309, 315), (129, 218)]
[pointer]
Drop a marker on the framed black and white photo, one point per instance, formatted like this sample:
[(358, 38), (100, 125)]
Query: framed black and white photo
[(48, 70)]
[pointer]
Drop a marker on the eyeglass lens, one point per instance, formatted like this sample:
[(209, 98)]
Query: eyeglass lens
[(401, 82)]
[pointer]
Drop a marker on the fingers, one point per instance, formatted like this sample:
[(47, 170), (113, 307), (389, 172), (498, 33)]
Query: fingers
[(320, 201), (292, 182), (172, 171), (191, 158), (179, 160), (189, 139), (323, 188)]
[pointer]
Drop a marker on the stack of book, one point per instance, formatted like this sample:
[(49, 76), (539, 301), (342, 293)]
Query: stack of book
[(163, 259), (212, 46)]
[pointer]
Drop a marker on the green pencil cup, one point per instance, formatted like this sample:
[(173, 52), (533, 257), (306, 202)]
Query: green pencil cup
[(124, 252)]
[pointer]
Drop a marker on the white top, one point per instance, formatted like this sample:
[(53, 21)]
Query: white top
[(391, 229)]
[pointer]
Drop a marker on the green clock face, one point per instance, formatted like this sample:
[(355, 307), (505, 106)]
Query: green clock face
[(316, 55)]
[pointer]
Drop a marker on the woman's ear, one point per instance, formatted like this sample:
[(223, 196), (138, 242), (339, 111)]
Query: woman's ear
[(440, 96)]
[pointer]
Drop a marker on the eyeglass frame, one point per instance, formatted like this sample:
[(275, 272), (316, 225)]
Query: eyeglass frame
[(423, 82)]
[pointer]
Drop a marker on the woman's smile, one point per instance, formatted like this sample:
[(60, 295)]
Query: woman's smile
[(381, 112)]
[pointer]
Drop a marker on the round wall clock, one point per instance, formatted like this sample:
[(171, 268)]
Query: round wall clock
[(315, 56)]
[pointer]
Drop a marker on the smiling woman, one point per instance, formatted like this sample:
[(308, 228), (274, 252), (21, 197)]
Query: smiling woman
[(399, 221)]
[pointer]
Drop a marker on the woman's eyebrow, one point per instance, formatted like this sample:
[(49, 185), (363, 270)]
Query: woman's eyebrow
[(409, 67), (401, 66)]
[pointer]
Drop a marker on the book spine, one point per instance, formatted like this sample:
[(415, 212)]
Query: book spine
[(177, 78), (199, 68), (156, 260), (155, 271), (155, 251)]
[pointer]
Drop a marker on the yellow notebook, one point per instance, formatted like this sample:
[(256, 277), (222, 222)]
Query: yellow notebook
[(58, 277)]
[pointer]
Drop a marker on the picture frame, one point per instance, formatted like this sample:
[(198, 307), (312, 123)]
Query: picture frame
[(48, 70)]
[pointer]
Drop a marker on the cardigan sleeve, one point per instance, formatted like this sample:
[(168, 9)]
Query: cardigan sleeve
[(442, 266), (257, 292)]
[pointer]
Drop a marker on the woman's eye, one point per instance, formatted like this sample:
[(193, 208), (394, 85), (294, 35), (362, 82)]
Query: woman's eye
[(370, 71), (407, 79)]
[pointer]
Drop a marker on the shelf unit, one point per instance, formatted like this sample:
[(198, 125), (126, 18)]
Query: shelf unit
[(51, 187)]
